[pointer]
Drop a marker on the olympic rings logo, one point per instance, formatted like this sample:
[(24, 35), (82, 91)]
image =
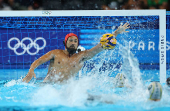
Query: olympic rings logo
[(46, 12), (28, 47)]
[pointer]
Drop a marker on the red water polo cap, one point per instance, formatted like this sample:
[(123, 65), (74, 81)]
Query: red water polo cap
[(69, 35)]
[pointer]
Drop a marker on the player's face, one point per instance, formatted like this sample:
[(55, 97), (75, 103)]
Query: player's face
[(72, 42)]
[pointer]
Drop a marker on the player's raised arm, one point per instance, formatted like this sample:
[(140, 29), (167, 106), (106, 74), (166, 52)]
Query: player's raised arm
[(88, 54), (36, 63), (121, 29), (107, 41)]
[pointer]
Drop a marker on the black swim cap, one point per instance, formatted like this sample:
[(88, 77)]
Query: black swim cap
[(168, 81)]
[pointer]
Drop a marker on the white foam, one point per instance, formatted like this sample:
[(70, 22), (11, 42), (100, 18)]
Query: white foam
[(75, 92), (17, 82), (130, 66), (10, 83), (72, 94)]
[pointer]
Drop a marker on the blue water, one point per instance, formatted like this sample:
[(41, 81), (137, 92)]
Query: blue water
[(15, 95)]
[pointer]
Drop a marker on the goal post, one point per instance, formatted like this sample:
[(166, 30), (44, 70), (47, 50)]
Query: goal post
[(50, 27)]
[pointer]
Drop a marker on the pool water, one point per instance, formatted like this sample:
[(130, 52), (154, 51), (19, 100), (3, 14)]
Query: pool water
[(15, 95)]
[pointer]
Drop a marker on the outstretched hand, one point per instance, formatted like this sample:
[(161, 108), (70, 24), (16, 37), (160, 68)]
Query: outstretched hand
[(29, 76), (122, 28)]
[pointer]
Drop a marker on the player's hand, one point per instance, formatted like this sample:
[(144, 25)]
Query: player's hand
[(122, 28), (29, 76)]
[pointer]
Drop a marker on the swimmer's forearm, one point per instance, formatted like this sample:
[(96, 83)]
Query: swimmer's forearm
[(41, 60), (116, 32), (98, 48), (93, 51), (35, 64)]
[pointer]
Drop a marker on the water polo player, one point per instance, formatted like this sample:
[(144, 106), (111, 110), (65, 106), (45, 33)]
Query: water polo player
[(66, 63)]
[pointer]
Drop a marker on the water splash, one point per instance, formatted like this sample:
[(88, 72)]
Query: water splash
[(130, 66), (75, 93), (96, 83)]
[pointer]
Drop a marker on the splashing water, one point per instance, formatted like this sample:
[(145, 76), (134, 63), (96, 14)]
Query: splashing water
[(96, 83), (130, 66)]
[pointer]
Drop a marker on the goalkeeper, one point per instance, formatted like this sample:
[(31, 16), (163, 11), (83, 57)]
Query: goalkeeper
[(67, 63)]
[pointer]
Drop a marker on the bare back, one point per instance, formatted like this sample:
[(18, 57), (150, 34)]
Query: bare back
[(62, 67)]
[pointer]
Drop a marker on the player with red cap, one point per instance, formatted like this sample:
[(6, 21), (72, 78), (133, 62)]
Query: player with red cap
[(69, 35), (73, 48), (65, 64)]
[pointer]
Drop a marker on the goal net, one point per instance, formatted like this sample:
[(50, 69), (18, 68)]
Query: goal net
[(27, 35)]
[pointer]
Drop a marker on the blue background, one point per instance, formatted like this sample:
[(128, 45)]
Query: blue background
[(89, 29)]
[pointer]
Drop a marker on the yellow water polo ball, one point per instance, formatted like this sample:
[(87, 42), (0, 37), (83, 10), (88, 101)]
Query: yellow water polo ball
[(155, 91), (108, 41)]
